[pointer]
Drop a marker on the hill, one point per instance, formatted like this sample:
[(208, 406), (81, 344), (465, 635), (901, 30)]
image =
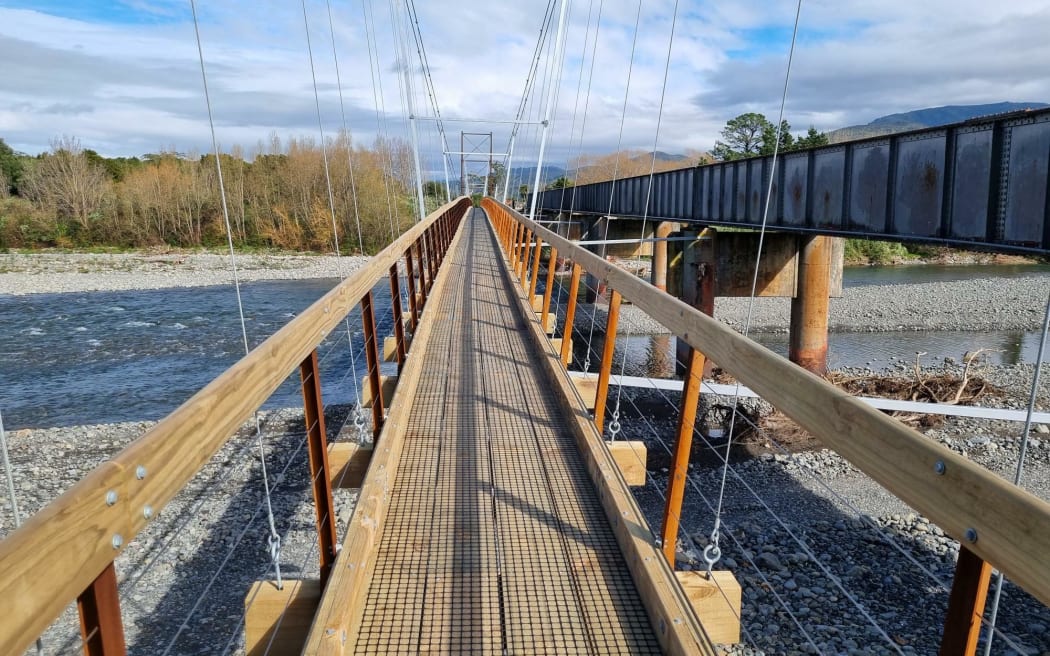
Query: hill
[(926, 118)]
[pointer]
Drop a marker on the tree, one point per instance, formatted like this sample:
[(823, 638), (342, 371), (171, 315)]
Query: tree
[(769, 138), (497, 175), (523, 192), (434, 188), (11, 168), (812, 139), (65, 181), (560, 183), (743, 137)]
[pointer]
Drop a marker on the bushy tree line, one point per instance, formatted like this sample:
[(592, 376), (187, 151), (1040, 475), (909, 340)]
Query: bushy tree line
[(277, 197)]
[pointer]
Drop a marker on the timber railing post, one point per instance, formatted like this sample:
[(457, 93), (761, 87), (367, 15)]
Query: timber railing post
[(368, 322), (570, 314), (399, 321), (535, 269), (320, 474), (413, 310), (683, 443), (519, 235), (962, 623), (431, 256), (418, 246), (101, 627), (526, 256), (608, 350), (549, 289)]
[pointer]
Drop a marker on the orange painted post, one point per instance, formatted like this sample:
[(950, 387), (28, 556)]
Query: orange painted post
[(413, 311), (527, 255), (549, 289), (399, 322), (534, 280), (683, 444), (317, 449), (570, 313), (515, 246), (608, 351), (101, 627), (418, 246), (432, 263), (368, 321), (808, 335), (962, 623), (659, 273)]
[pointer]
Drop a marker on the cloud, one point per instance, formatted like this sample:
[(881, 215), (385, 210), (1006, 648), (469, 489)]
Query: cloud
[(126, 78)]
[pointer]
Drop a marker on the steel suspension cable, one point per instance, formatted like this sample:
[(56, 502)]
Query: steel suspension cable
[(320, 128), (645, 211), (712, 552), (274, 540)]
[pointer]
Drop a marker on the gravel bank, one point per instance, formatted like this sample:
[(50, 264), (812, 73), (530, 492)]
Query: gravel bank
[(41, 273), (199, 556), (823, 553), (975, 305)]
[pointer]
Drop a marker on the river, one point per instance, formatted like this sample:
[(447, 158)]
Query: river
[(100, 357)]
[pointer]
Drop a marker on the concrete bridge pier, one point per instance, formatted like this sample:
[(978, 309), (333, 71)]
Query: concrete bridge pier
[(658, 275), (808, 333), (595, 229)]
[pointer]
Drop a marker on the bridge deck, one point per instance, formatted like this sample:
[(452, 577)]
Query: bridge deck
[(495, 541)]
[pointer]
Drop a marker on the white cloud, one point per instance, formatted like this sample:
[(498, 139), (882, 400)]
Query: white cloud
[(128, 88)]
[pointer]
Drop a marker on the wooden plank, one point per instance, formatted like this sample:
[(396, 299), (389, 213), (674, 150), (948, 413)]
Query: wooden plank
[(72, 538), (390, 348), (669, 610), (342, 602), (276, 621), (537, 303), (348, 463), (587, 387), (556, 343), (716, 601), (1012, 525), (387, 386), (630, 458)]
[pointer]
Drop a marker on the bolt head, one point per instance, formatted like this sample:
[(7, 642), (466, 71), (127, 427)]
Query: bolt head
[(939, 467), (971, 535), (140, 472), (147, 511), (111, 497), (117, 541)]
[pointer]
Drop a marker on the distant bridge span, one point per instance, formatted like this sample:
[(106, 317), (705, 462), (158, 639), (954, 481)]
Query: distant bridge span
[(979, 184)]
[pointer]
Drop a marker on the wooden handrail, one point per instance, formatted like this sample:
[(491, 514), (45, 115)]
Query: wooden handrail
[(59, 551), (1010, 527)]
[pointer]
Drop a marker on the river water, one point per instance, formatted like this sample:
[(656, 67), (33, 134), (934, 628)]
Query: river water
[(100, 357)]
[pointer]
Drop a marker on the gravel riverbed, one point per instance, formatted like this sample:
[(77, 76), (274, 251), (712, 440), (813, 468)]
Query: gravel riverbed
[(829, 562), (41, 273)]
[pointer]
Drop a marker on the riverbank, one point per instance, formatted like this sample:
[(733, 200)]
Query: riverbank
[(48, 273), (984, 304), (801, 530)]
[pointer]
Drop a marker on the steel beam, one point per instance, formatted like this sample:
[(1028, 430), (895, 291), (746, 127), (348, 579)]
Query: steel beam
[(983, 184)]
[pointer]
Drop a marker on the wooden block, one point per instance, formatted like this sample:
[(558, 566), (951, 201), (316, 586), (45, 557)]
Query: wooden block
[(387, 385), (716, 602), (587, 387), (537, 303), (556, 343), (390, 348), (630, 458), (294, 607), (348, 463), (552, 323)]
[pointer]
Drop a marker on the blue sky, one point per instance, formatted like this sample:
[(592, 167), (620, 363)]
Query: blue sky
[(124, 76)]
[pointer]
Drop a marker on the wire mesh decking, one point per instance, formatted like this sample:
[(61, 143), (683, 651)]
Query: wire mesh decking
[(495, 541)]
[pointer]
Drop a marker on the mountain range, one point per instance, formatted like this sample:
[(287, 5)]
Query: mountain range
[(926, 118)]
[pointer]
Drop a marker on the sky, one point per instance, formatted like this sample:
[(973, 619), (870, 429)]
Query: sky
[(124, 77)]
